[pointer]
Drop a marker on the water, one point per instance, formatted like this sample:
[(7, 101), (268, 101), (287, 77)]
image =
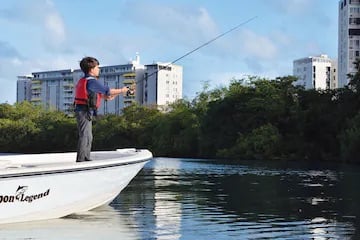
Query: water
[(174, 199)]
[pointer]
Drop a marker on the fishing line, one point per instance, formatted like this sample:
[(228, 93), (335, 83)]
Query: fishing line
[(201, 46)]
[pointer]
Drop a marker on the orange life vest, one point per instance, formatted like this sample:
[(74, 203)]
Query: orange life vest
[(82, 96)]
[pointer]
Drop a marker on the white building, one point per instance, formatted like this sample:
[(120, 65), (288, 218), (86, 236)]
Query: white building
[(316, 72), (23, 88), (55, 89), (349, 38), (162, 84)]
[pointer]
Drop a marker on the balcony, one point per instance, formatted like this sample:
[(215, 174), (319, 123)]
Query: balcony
[(129, 99), (35, 87), (68, 84), (128, 81), (68, 100), (36, 91), (68, 95), (127, 75), (35, 99), (68, 89), (68, 105)]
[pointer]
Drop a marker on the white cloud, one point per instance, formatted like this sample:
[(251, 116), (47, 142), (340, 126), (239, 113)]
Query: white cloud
[(42, 19), (55, 29), (16, 61), (7, 50), (257, 46), (181, 24), (42, 15), (281, 38), (160, 32), (291, 6), (189, 27), (12, 67), (296, 6)]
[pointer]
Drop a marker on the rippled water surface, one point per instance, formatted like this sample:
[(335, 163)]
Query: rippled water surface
[(198, 199)]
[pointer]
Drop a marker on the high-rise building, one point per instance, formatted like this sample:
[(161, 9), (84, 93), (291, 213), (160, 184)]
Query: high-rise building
[(156, 84), (162, 84), (349, 39), (23, 88), (316, 72)]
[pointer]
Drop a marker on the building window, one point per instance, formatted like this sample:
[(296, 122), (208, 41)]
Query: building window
[(354, 21)]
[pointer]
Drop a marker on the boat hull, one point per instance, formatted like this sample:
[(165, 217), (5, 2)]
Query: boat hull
[(46, 190)]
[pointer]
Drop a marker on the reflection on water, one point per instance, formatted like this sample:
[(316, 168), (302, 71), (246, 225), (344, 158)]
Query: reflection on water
[(196, 199), (166, 204), (102, 223)]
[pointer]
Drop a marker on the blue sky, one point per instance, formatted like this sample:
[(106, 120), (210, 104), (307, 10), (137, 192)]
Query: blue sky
[(41, 35)]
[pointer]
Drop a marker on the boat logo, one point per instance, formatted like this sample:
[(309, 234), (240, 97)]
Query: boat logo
[(21, 196), (20, 191)]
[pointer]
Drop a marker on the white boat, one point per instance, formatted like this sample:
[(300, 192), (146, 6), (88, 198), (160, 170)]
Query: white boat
[(47, 186)]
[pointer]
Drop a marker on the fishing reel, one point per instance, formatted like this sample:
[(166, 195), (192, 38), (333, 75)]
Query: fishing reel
[(131, 90)]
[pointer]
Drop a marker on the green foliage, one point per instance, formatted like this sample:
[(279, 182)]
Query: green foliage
[(26, 128), (131, 129), (57, 133), (110, 132), (350, 140), (243, 109), (175, 133), (252, 118), (260, 143), (15, 134)]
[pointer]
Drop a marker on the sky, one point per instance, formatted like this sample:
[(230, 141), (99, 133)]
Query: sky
[(45, 35)]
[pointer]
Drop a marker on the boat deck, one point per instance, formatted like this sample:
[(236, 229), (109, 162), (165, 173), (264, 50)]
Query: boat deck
[(25, 164)]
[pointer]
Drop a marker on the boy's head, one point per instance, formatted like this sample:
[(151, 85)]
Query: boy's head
[(88, 63)]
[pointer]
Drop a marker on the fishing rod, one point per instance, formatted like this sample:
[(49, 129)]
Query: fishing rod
[(199, 47)]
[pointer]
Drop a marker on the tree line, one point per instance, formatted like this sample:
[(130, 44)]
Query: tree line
[(252, 118)]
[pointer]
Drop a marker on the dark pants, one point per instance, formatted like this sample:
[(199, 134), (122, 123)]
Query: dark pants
[(84, 126)]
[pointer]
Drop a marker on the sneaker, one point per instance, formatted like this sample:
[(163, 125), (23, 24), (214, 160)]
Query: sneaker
[(85, 160)]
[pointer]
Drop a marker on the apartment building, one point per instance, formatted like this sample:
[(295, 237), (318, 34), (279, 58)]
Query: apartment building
[(53, 89), (23, 86), (156, 84), (348, 39), (317, 72), (162, 84)]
